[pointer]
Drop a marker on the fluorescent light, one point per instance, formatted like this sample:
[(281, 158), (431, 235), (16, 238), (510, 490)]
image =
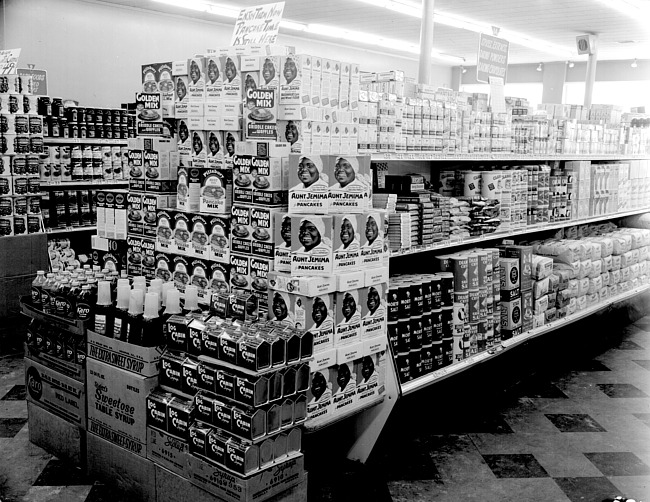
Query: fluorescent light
[(414, 9), (634, 64), (210, 8), (371, 39), (539, 67), (631, 8), (290, 25)]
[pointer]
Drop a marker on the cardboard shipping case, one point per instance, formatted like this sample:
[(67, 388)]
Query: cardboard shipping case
[(57, 436)]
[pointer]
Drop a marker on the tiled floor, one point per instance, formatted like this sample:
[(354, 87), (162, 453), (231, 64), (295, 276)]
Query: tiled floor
[(579, 430)]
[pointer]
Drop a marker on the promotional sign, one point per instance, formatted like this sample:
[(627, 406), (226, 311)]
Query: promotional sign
[(492, 58), (258, 25), (39, 80), (9, 60)]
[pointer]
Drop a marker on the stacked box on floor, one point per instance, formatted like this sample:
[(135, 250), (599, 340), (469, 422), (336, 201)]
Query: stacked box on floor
[(55, 379)]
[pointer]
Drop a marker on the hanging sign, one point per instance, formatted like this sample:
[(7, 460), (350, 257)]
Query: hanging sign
[(9, 61), (492, 58), (258, 25), (39, 80)]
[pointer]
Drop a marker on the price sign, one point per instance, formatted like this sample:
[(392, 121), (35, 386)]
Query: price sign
[(9, 61), (258, 25), (39, 80)]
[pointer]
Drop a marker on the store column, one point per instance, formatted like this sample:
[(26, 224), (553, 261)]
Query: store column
[(554, 77), (426, 42)]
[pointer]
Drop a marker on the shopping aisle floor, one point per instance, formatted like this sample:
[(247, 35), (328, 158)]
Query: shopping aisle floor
[(576, 430), (573, 424)]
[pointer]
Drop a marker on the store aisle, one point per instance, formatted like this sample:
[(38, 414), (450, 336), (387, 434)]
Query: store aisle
[(578, 430)]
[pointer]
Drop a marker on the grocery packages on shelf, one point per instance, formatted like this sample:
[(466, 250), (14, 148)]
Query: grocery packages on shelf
[(396, 115), (480, 297)]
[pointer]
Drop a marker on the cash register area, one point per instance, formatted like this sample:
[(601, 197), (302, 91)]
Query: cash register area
[(563, 419)]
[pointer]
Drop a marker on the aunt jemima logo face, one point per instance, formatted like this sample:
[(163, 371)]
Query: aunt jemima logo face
[(34, 384)]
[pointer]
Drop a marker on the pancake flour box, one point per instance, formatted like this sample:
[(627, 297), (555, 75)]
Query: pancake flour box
[(316, 315), (282, 249), (374, 249), (347, 317), (319, 394), (311, 245), (346, 243), (309, 177), (373, 310), (349, 190)]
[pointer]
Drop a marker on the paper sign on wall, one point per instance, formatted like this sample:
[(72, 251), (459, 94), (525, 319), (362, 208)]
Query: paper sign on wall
[(39, 80), (258, 25), (492, 58), (497, 95), (9, 61)]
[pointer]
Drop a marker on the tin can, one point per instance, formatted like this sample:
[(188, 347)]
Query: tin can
[(393, 302), (404, 367), (463, 298), (426, 356), (481, 331), (446, 288), (474, 310), (473, 338), (404, 335), (436, 291), (426, 295), (472, 270), (427, 329), (460, 270), (417, 301), (436, 324), (404, 298), (436, 349), (482, 303), (447, 351), (447, 321), (393, 335), (415, 359), (417, 332)]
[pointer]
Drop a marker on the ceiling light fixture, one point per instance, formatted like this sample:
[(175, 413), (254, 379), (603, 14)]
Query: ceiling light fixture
[(414, 9), (463, 69), (316, 29), (571, 64), (634, 64), (539, 67), (631, 8)]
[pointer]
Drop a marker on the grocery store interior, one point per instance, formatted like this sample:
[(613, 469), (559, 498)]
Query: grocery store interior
[(387, 250)]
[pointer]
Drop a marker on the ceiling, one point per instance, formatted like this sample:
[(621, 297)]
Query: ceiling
[(556, 22)]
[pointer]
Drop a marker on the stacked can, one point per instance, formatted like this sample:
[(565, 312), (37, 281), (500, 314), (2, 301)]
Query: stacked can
[(420, 323), (474, 306)]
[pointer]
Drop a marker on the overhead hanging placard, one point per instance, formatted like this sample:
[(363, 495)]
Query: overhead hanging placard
[(39, 80), (492, 58), (9, 61), (258, 25)]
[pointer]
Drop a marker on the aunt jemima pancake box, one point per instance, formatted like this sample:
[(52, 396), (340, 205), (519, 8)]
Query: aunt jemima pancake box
[(316, 315), (231, 76), (311, 245), (374, 248), (346, 243), (349, 190), (213, 80), (373, 310), (309, 177), (295, 81), (319, 394), (196, 82), (282, 239), (348, 317)]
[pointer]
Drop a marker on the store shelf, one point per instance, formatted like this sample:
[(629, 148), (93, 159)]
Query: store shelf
[(520, 231), (454, 369), (71, 185), (69, 230), (431, 156), (85, 141), (316, 425)]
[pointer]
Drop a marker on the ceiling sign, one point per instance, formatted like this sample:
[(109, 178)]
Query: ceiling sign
[(258, 25), (39, 80), (492, 58)]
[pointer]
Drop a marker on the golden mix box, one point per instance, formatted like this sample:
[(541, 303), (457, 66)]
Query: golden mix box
[(134, 255), (259, 270), (150, 204), (260, 118), (311, 245), (282, 240), (263, 231), (240, 272), (346, 245), (309, 177), (240, 234), (135, 214), (149, 111), (349, 190), (196, 83)]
